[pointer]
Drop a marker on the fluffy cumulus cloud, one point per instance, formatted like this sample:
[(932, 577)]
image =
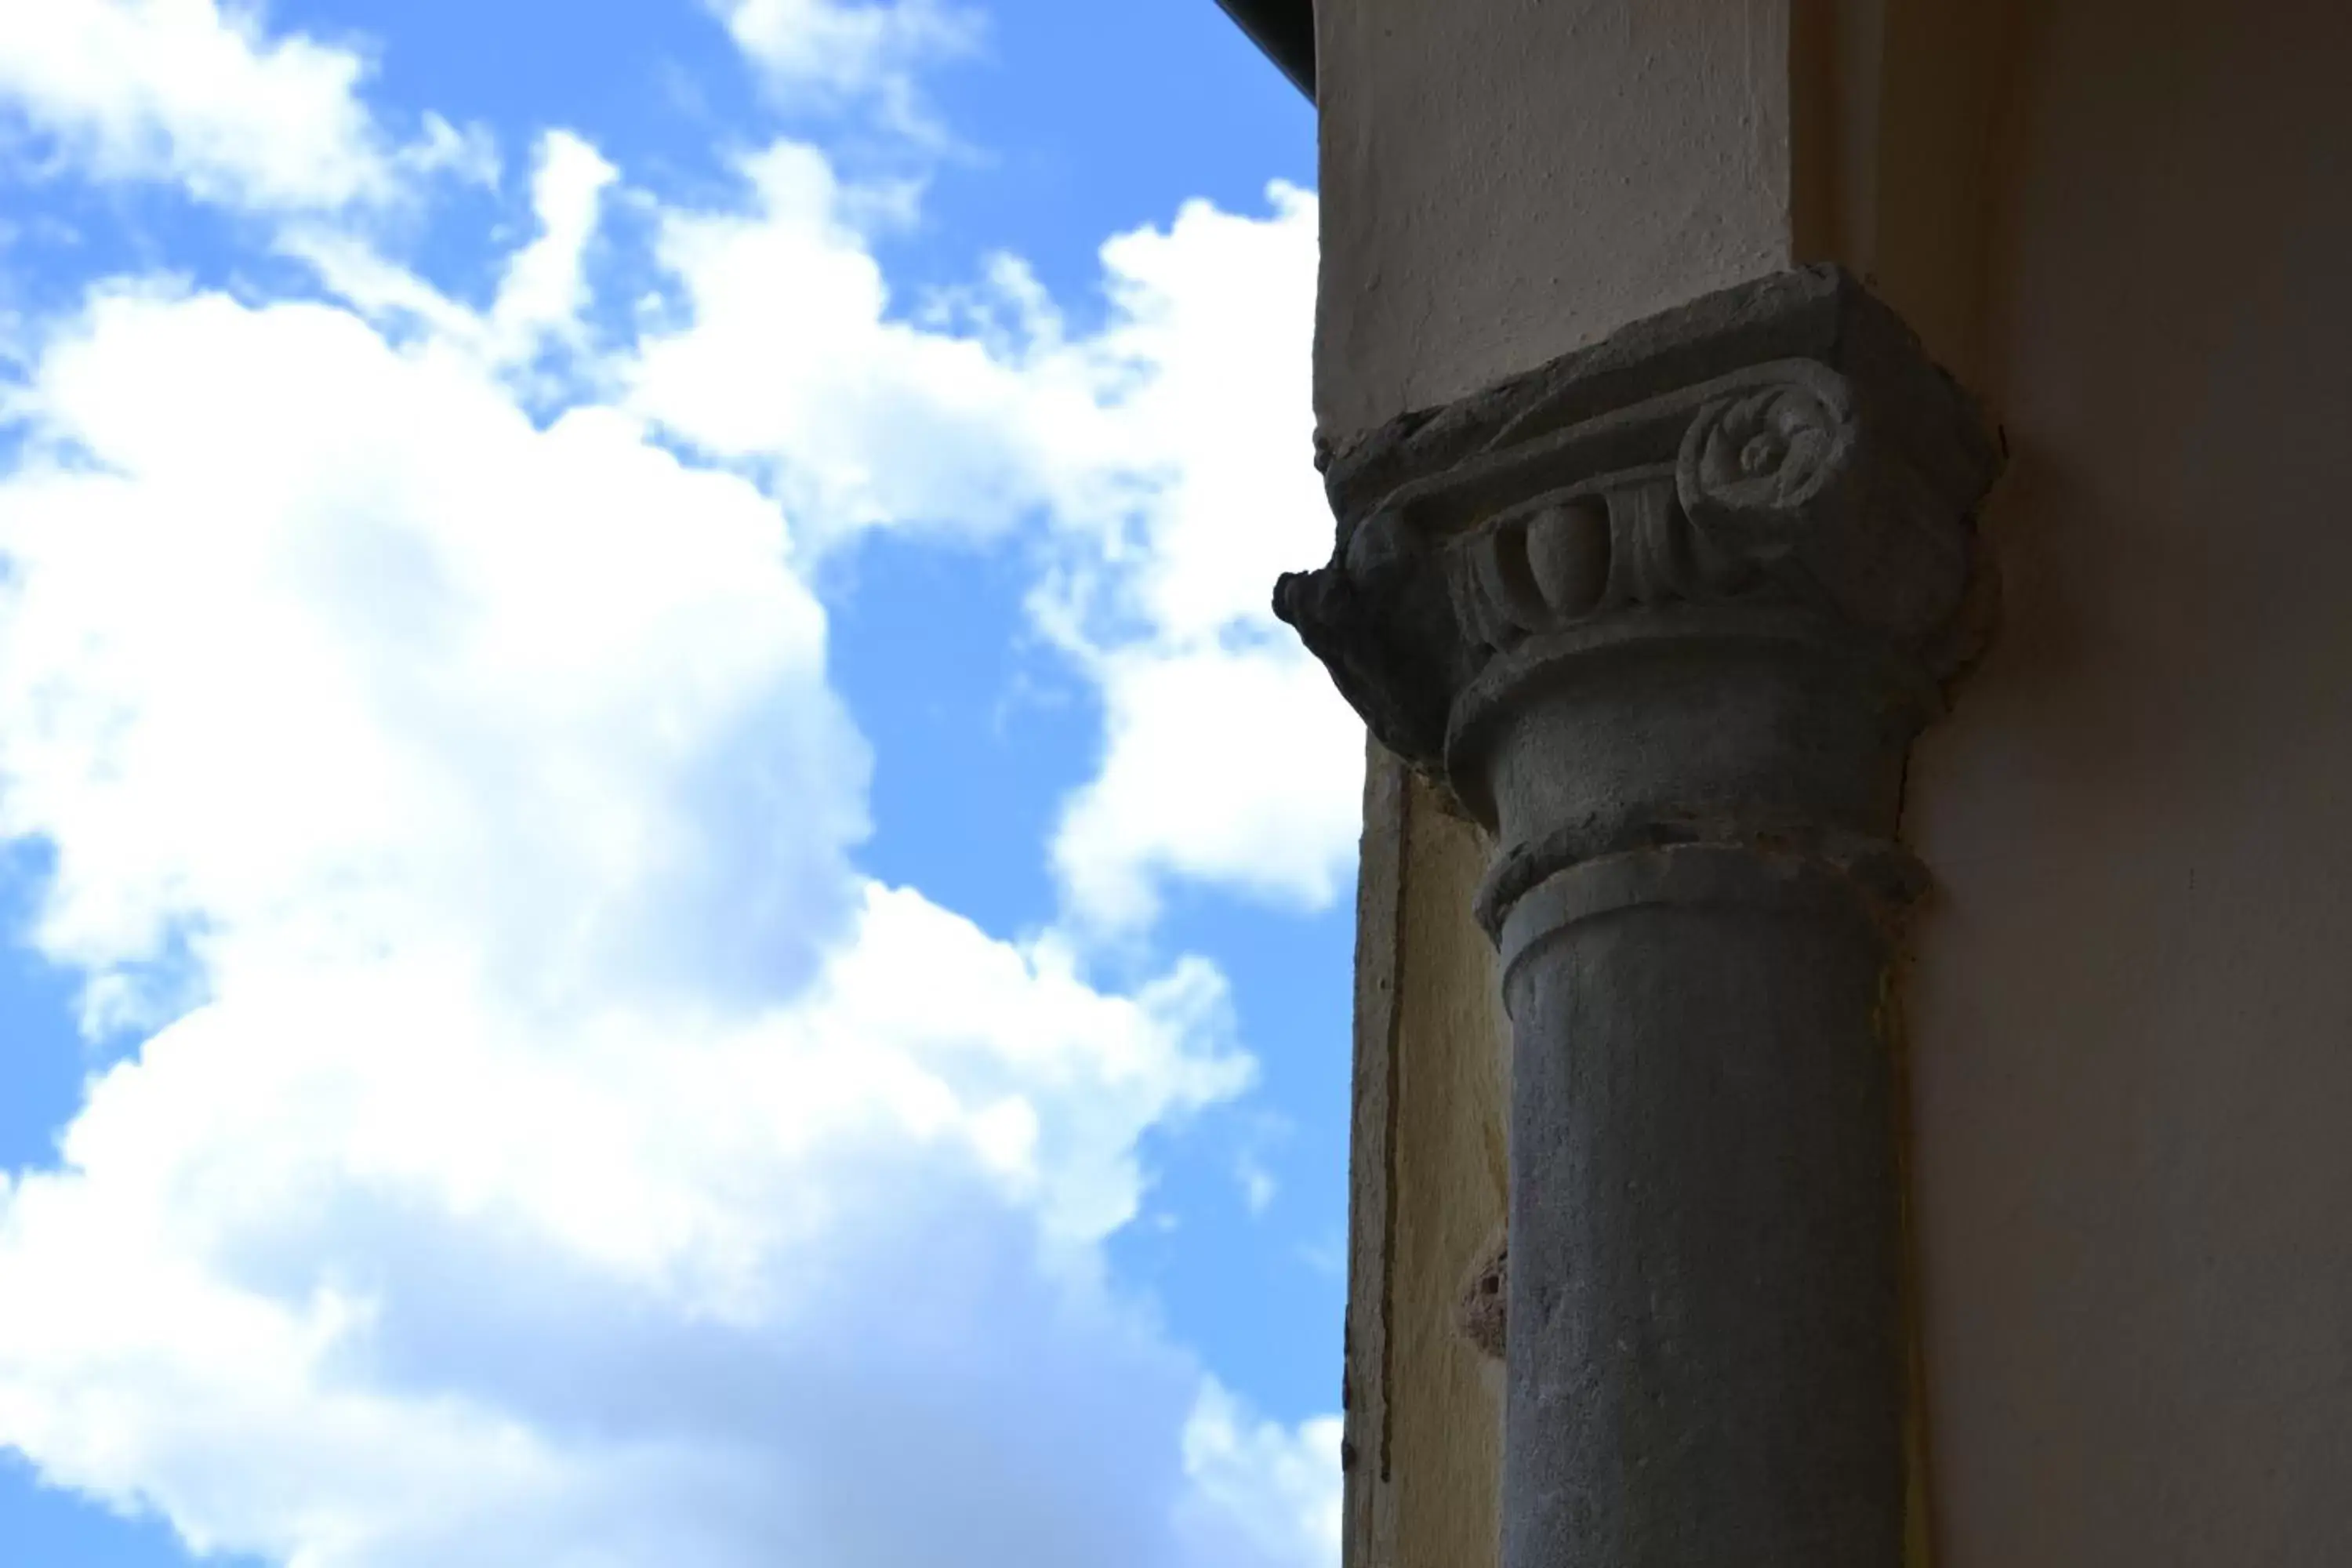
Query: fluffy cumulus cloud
[(787, 355), (831, 48), (1167, 452), (1226, 760), (188, 91), (1255, 1483), (543, 288), (538, 1141)]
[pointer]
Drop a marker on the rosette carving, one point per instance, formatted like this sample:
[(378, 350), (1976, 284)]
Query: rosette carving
[(1762, 457)]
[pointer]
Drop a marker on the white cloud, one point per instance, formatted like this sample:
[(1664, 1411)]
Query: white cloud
[(1212, 336), (1169, 451), (545, 1147), (315, 641), (1234, 766), (186, 91), (790, 354), (1262, 1492), (832, 49), (380, 1269), (1228, 759), (545, 287), (1257, 1183)]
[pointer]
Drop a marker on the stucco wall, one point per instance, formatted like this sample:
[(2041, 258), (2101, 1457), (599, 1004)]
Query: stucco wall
[(2131, 1010), (1433, 1071), (1505, 180)]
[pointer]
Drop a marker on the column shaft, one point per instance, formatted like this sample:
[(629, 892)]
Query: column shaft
[(1704, 1346)]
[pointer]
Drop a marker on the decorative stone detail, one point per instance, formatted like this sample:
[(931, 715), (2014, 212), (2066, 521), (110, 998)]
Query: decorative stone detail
[(1481, 1313), (1665, 616), (1785, 442)]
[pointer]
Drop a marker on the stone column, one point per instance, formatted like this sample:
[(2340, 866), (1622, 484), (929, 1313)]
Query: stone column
[(1664, 616)]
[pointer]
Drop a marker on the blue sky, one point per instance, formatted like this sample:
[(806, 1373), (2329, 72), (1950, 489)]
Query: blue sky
[(633, 931)]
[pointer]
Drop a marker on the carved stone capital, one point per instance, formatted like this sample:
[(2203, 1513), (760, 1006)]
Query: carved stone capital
[(1665, 616), (1782, 446)]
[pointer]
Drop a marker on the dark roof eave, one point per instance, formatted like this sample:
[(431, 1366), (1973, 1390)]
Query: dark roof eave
[(1284, 29)]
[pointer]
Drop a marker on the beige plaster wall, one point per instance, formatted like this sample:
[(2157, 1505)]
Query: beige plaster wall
[(2131, 1007), (1424, 1405), (1505, 180)]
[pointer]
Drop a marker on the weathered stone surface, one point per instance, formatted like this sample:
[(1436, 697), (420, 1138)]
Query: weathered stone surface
[(1481, 1314), (1665, 616)]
